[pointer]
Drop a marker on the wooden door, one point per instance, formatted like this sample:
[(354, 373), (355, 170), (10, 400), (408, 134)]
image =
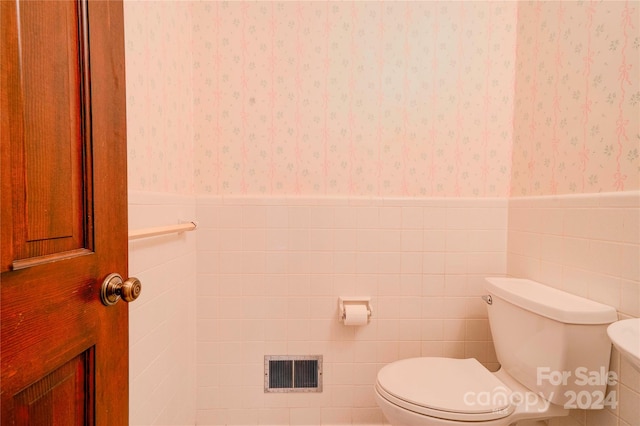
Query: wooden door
[(64, 355)]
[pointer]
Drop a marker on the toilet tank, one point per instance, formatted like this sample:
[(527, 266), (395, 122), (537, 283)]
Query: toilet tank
[(553, 342)]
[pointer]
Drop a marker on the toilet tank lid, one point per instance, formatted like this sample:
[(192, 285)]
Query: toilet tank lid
[(550, 302)]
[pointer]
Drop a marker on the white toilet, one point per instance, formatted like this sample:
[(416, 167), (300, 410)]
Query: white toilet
[(554, 354)]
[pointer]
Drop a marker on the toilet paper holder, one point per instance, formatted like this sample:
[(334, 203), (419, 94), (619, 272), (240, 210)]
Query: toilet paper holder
[(359, 300)]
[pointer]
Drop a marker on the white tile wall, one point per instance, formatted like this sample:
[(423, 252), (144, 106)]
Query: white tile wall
[(588, 245), (270, 271), (162, 320)]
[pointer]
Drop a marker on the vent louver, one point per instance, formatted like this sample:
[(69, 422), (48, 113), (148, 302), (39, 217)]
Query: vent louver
[(291, 373)]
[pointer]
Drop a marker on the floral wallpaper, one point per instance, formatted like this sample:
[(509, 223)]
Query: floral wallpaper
[(577, 103), (159, 96), (353, 98), (383, 98)]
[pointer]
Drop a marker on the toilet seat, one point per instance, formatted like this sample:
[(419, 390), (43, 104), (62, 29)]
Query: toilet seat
[(452, 389)]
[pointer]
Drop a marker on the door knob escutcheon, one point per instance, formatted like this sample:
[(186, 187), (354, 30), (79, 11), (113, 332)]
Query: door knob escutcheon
[(114, 289)]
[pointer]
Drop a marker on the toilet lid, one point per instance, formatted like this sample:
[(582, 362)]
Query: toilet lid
[(455, 389)]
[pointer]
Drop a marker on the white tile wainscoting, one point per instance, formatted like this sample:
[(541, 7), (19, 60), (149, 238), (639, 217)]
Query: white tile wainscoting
[(270, 271), (262, 276), (162, 321)]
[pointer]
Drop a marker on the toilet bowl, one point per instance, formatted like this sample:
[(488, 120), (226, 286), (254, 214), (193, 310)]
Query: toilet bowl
[(455, 392), (538, 332)]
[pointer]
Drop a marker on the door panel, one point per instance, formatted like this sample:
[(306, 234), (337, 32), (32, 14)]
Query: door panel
[(64, 355), (60, 395), (51, 155), (51, 103)]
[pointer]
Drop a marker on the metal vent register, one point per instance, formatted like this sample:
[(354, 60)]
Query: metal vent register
[(292, 373)]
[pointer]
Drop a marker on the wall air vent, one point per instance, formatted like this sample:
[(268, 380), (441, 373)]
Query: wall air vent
[(292, 373)]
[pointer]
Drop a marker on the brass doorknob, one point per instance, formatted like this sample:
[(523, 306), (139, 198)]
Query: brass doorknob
[(114, 289)]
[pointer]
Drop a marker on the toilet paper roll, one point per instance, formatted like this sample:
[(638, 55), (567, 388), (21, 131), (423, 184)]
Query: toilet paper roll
[(356, 315)]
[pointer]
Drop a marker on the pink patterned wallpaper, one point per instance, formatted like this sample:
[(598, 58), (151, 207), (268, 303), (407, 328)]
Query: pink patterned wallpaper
[(382, 98), (354, 98), (577, 104), (159, 96)]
